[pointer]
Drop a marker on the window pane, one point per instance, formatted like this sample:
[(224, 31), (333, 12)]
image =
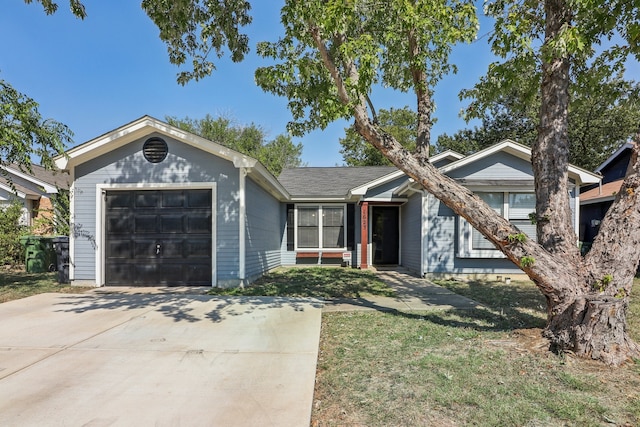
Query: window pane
[(521, 205), (333, 227), (526, 227), (479, 242), (307, 237), (496, 202), (307, 217), (332, 217), (308, 227), (332, 237)]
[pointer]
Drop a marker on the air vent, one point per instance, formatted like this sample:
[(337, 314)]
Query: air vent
[(155, 150)]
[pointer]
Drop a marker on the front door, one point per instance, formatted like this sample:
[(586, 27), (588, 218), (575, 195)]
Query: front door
[(158, 237), (385, 232)]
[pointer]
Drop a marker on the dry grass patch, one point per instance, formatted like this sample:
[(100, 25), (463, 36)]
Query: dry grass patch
[(458, 368), (18, 284)]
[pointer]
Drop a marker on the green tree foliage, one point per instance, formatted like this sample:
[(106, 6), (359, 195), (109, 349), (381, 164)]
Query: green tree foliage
[(399, 122), (251, 140), (24, 133), (604, 113), (11, 251)]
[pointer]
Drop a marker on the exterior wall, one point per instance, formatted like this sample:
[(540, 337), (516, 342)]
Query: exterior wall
[(263, 231), (126, 165), (441, 251), (500, 166), (385, 191), (411, 233)]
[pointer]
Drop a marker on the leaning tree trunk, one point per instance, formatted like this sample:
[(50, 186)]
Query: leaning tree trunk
[(588, 317), (586, 299)]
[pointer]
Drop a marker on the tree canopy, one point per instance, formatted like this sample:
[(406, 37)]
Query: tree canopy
[(251, 140), (399, 122), (25, 134), (334, 54)]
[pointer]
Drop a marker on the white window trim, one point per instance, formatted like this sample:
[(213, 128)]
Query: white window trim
[(465, 241), (319, 206)]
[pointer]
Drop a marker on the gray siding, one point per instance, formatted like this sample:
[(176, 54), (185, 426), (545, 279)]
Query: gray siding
[(442, 240), (411, 233), (385, 190), (500, 166), (184, 164), (263, 231)]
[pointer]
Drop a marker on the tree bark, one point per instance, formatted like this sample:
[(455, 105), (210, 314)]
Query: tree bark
[(586, 307)]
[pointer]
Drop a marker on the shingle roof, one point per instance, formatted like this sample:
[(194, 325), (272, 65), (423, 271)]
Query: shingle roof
[(329, 181)]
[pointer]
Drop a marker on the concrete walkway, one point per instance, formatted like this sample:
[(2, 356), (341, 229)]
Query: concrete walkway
[(413, 294), (163, 359), (173, 356)]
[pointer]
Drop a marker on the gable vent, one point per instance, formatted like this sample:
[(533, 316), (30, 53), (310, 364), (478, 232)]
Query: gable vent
[(155, 150)]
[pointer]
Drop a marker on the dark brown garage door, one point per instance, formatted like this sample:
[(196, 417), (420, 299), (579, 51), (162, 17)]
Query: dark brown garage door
[(158, 237)]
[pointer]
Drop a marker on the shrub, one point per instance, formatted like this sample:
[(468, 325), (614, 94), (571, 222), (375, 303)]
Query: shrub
[(11, 251)]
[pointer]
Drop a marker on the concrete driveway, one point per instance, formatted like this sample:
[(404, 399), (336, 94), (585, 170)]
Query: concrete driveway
[(157, 359)]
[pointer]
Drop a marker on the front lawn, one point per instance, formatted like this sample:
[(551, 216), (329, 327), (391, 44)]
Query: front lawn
[(315, 282), (482, 367), (18, 284)]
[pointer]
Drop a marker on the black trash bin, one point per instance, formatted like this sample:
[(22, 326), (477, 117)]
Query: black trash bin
[(61, 245)]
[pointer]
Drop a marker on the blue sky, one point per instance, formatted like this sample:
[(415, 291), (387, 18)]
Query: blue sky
[(110, 69)]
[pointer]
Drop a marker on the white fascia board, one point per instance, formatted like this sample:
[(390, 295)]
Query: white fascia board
[(446, 154), (267, 181), (138, 129), (581, 176), (362, 190), (614, 155), (48, 188), (315, 199), (507, 145), (9, 190), (409, 185)]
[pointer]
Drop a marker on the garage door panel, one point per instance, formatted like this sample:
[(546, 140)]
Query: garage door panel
[(199, 199), (159, 237), (173, 199), (146, 224), (120, 249), (118, 224), (172, 248), (199, 224), (147, 199), (172, 223), (198, 248)]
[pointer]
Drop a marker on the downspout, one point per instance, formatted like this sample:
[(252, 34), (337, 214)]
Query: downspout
[(242, 224), (424, 229)]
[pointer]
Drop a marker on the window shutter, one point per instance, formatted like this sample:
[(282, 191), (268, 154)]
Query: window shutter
[(351, 232), (290, 227)]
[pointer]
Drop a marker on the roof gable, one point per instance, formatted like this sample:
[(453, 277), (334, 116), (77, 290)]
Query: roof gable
[(148, 125), (581, 176)]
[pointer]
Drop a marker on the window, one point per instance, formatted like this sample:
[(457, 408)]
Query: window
[(516, 207), (320, 227)]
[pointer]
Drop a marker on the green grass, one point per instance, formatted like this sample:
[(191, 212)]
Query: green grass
[(466, 368), (318, 282), (16, 285)]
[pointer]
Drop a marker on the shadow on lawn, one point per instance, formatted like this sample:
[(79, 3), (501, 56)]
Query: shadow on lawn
[(183, 307)]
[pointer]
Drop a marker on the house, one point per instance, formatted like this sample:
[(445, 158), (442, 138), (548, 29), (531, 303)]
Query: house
[(152, 204), (595, 200), (33, 189)]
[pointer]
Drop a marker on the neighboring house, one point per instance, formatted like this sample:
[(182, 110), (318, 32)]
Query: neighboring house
[(152, 204), (33, 189), (595, 200)]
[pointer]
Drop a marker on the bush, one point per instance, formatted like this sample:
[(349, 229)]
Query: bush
[(11, 251)]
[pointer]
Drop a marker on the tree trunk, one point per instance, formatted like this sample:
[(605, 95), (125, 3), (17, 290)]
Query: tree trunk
[(593, 326)]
